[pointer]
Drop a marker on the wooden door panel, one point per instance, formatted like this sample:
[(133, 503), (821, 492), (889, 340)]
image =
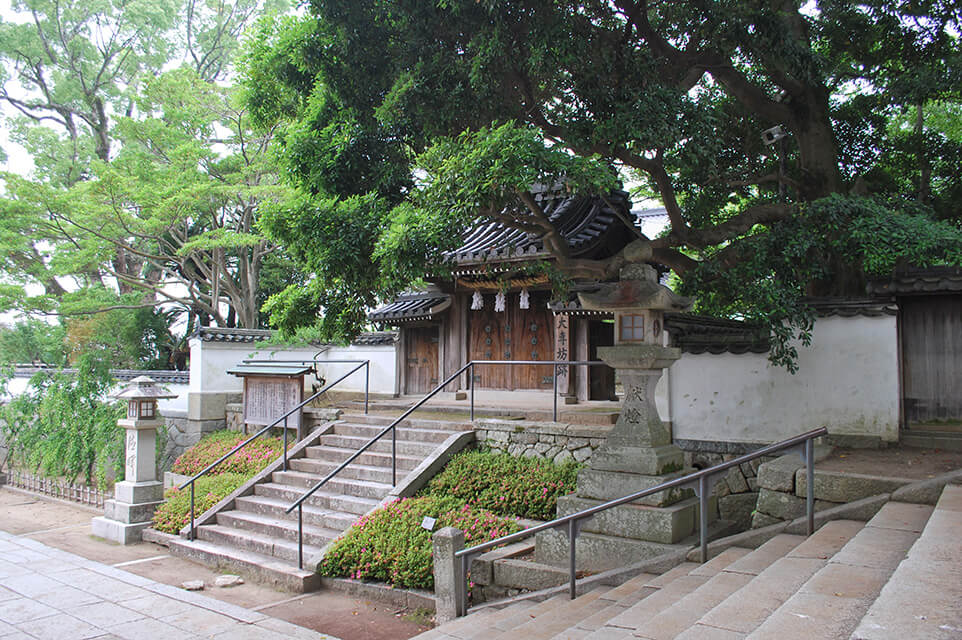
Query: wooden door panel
[(421, 359), (535, 341), (932, 358), (487, 330)]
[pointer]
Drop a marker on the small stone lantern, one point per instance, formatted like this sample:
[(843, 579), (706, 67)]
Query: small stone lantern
[(139, 494)]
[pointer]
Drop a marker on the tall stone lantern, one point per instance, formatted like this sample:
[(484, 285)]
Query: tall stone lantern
[(640, 442), (139, 494)]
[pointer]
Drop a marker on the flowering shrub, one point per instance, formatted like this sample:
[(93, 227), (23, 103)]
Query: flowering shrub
[(251, 459), (389, 544), (509, 486), (209, 490)]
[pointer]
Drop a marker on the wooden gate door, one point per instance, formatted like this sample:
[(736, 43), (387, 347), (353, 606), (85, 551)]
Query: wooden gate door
[(512, 334), (932, 358), (421, 359), (489, 330)]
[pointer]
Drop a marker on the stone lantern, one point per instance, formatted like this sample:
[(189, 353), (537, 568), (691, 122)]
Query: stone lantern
[(139, 494)]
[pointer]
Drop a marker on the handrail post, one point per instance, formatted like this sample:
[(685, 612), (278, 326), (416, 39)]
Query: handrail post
[(810, 477), (285, 444), (394, 456), (471, 386), (554, 379), (572, 574), (191, 536), (300, 536), (703, 516), (367, 382)]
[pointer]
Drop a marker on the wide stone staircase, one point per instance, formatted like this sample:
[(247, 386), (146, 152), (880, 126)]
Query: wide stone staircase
[(897, 576), (255, 536)]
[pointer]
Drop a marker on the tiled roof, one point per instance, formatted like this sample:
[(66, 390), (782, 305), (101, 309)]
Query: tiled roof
[(914, 281), (586, 222), (124, 375), (702, 334), (218, 334), (412, 306)]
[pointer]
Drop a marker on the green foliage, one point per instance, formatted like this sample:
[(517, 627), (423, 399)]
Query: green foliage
[(127, 338), (33, 341), (63, 427), (505, 484), (249, 460), (774, 269), (174, 514), (390, 544)]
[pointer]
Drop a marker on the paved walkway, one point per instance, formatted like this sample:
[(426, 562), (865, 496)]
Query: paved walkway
[(49, 594)]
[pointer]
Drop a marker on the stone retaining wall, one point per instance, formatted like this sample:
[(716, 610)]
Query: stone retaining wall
[(549, 440), (738, 492), (181, 434), (782, 489)]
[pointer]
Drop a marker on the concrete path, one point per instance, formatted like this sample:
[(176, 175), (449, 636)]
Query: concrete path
[(50, 594)]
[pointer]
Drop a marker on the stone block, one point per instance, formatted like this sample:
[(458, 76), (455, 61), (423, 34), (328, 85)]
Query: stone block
[(130, 513), (207, 405), (665, 525), (611, 485), (783, 506), (923, 492), (652, 461), (847, 487), (738, 508), (779, 474), (736, 481), (115, 531), (138, 492), (596, 552), (522, 574), (449, 584), (761, 520)]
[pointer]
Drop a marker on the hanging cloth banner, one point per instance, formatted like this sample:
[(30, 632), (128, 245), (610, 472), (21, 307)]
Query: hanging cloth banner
[(477, 302), (499, 301), (524, 303)]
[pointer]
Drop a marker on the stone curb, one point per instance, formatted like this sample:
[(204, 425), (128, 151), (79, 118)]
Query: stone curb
[(158, 537), (382, 592), (927, 491)]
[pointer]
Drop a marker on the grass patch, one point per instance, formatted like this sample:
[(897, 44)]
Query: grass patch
[(249, 460), (174, 514), (504, 484), (390, 545)]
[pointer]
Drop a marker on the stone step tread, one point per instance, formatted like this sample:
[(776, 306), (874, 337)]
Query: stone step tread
[(565, 613), (773, 549), (321, 468), (265, 503), (751, 605), (403, 432), (354, 443), (629, 587), (834, 599), (283, 550), (478, 624), (709, 579), (261, 568), (352, 416), (307, 480), (928, 582), (251, 519), (521, 617), (321, 494), (339, 454)]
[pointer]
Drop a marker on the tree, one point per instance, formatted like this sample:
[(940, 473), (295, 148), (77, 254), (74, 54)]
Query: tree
[(146, 184), (675, 95)]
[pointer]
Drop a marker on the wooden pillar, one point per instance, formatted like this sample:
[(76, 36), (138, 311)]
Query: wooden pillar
[(583, 375), (562, 351)]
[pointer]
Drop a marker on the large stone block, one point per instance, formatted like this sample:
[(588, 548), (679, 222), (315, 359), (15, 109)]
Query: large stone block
[(847, 487), (651, 461), (611, 485), (115, 531), (130, 513), (138, 492), (738, 508), (666, 525), (784, 506), (779, 474), (595, 552)]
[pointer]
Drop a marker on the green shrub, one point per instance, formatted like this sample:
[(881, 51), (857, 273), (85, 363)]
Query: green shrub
[(504, 484), (390, 545), (174, 514), (249, 460)]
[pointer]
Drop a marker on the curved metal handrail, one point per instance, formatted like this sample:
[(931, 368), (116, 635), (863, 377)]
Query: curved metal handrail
[(700, 481), (284, 417)]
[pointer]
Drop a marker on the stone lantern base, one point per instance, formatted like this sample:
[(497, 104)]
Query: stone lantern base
[(130, 512), (637, 454)]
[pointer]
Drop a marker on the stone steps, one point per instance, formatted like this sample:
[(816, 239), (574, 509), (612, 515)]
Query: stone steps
[(897, 576), (256, 535)]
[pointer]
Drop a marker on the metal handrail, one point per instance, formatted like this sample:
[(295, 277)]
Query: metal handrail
[(207, 469), (701, 481), (299, 503)]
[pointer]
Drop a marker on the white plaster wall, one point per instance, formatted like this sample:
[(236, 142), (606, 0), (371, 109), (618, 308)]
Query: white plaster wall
[(17, 386), (210, 361), (847, 380)]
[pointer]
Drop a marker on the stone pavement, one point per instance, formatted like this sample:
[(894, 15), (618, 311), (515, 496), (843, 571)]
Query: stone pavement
[(49, 594)]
